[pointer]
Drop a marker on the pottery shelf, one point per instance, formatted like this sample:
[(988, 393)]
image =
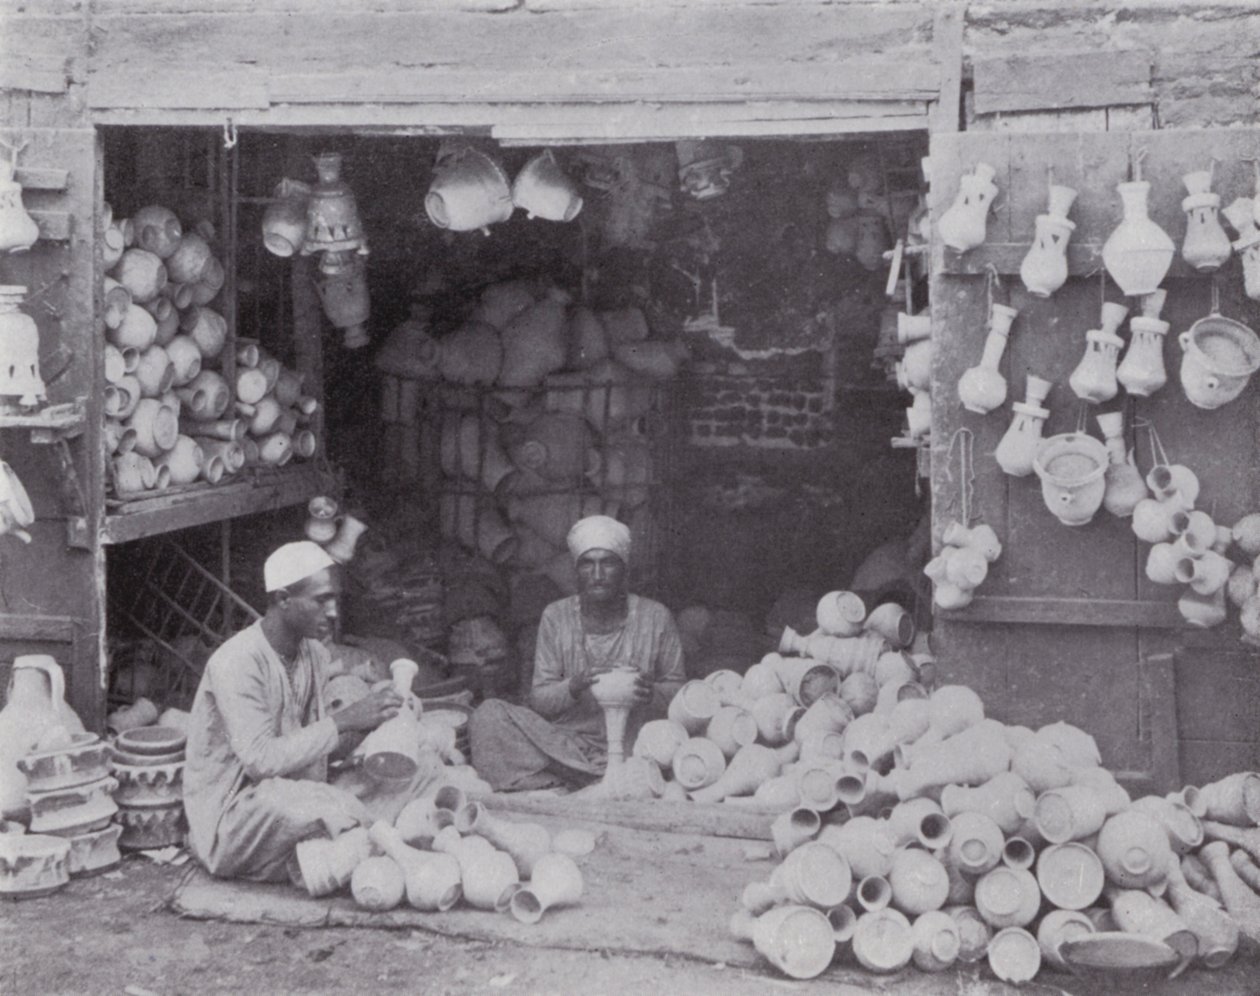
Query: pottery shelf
[(197, 505), (1084, 260), (1110, 612), (49, 424)]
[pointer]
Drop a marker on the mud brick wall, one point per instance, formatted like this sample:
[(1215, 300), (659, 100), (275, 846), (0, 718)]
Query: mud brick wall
[(765, 411)]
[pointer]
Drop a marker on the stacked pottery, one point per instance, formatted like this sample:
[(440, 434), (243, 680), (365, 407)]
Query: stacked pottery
[(70, 795), (962, 564), (148, 763)]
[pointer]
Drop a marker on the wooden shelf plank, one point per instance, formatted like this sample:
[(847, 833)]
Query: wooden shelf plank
[(261, 492), (1068, 611), (718, 820), (1084, 260), (48, 423)]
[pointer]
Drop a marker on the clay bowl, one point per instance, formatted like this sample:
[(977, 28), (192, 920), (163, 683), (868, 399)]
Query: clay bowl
[(150, 740), (389, 769), (145, 760), (85, 759), (1108, 955)]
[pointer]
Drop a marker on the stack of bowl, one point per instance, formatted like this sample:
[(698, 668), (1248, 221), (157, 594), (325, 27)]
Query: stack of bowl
[(149, 766), (71, 795)]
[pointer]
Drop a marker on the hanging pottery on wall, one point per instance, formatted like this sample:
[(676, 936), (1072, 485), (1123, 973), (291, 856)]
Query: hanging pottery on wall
[(1072, 467), (1206, 246), (543, 190), (705, 168), (1138, 253), (1094, 378), (1242, 215), (1142, 372), (332, 215), (1045, 269), (1124, 484), (963, 225), (983, 388), (1219, 356), (344, 296), (16, 512), (20, 381), (18, 231), (469, 192), (284, 221), (1015, 452)]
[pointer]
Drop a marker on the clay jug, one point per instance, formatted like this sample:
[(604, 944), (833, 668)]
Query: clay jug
[(1018, 447), (963, 224), (157, 230), (812, 874), (342, 546), (1240, 900), (761, 679), (1073, 812), (470, 191), (905, 821), (472, 354), (525, 843), (1094, 379), (1215, 931), (418, 823), (1206, 574), (693, 706), (556, 881), (919, 882), (697, 763), (1056, 928), (555, 446), (864, 842), (1247, 839), (18, 231), (588, 342), (840, 613), (936, 941), (533, 342), (776, 715), (1134, 850), (1142, 370), (116, 300), (1123, 483), (156, 427), (543, 190), (1138, 253), (731, 728), (1014, 955), (1137, 912), (34, 707), (19, 351), (1006, 799), (207, 328), (883, 941), (284, 221), (432, 880), (344, 296), (378, 884), (982, 387), (1206, 246), (976, 843), (1044, 269), (142, 273), (806, 680), (792, 829), (185, 360), (892, 622), (750, 766), (1008, 897), (189, 260), (323, 866), (797, 940), (184, 460), (1072, 468), (154, 372), (137, 330), (913, 328), (658, 740)]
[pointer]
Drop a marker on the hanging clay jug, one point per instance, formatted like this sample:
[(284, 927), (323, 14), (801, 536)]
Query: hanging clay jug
[(1044, 269), (797, 940), (1072, 468), (883, 941), (1142, 372), (543, 190), (1018, 447), (332, 216), (20, 380), (1219, 357), (18, 231), (962, 226), (983, 388), (157, 230), (470, 191), (1138, 253), (142, 273), (1206, 246), (344, 296), (1094, 378), (432, 880), (284, 221), (35, 713)]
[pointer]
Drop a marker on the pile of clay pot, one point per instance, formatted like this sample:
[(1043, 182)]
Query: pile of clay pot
[(443, 849), (148, 763), (915, 829), (169, 418)]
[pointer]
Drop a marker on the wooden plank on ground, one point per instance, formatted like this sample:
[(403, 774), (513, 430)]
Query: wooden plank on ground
[(1019, 81), (720, 820)]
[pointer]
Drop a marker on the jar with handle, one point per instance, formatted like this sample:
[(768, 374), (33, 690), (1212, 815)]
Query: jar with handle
[(34, 706), (18, 231)]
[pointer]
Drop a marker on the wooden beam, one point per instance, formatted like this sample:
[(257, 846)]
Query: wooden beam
[(1021, 82), (1084, 260), (612, 132), (1067, 611), (947, 50), (720, 820), (37, 629)]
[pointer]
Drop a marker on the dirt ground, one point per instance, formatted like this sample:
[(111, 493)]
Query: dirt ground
[(115, 934)]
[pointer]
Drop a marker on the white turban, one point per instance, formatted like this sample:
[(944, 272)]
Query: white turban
[(599, 532), (294, 562)]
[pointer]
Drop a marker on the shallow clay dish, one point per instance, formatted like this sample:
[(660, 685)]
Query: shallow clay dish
[(1115, 951), (145, 760), (150, 740)]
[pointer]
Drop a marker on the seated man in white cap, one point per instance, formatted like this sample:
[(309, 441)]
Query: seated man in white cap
[(561, 740), (255, 781)]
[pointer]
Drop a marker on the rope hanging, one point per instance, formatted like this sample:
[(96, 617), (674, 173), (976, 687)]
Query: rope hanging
[(964, 439)]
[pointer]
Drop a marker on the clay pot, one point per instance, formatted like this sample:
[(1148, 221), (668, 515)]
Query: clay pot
[(284, 221), (526, 843), (543, 190), (556, 881), (157, 230), (791, 829), (658, 740), (183, 461), (840, 613), (797, 940), (325, 866), (1134, 850), (378, 884), (154, 372), (1056, 928), (697, 763), (936, 941), (866, 844), (693, 706), (976, 843), (1073, 812), (1014, 955), (750, 766), (1234, 799), (919, 882), (205, 397), (983, 388), (1072, 468), (432, 881), (962, 226), (1242, 903), (1094, 379), (730, 729), (974, 934), (1008, 897), (142, 273), (1219, 356), (207, 328), (1138, 253), (469, 191), (1142, 371), (137, 330), (185, 360), (883, 941), (776, 715), (156, 427)]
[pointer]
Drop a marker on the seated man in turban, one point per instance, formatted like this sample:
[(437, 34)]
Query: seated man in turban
[(259, 739), (561, 739)]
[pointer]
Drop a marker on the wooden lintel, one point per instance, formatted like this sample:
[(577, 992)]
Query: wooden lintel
[(1084, 259), (1068, 611), (1018, 81)]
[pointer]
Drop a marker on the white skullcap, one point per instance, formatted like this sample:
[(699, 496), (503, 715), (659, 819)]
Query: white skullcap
[(294, 562), (599, 532)]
